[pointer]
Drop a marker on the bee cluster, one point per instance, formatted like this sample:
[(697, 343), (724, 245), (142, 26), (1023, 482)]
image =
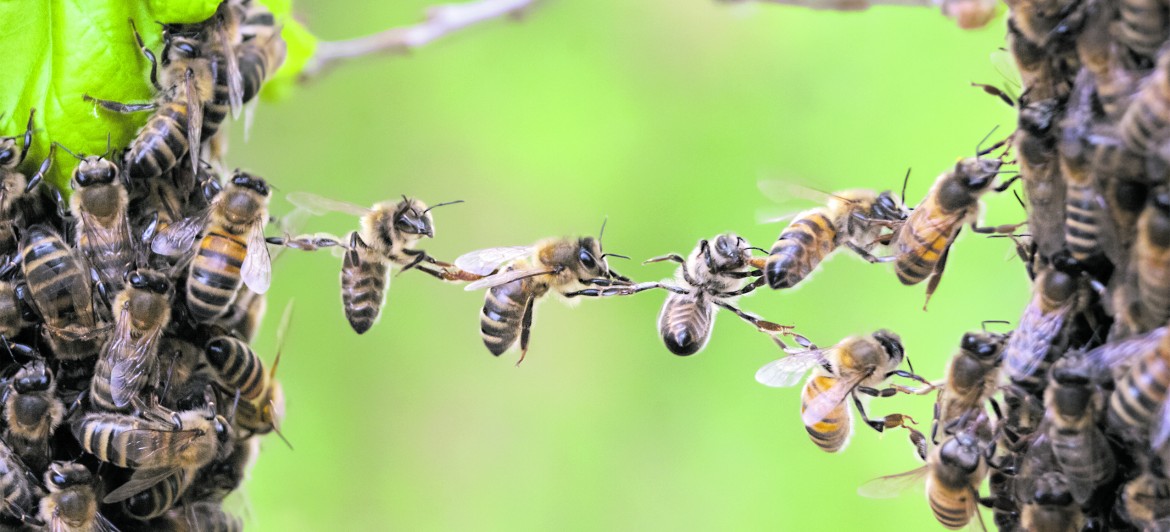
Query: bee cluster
[(131, 397)]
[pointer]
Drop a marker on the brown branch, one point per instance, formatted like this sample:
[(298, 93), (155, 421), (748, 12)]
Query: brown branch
[(840, 5), (440, 21)]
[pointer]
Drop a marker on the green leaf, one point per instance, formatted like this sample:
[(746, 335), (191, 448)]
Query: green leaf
[(301, 45), (55, 51)]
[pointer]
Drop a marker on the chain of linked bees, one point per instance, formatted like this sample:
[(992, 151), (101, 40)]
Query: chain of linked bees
[(132, 400)]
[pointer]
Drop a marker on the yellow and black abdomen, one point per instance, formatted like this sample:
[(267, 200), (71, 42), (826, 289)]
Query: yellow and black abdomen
[(215, 274), (1140, 393), (160, 143), (1141, 26), (216, 109), (920, 244), (1082, 221), (238, 367), (157, 499), (799, 249), (363, 285), (685, 323), (502, 313), (953, 508), (832, 432)]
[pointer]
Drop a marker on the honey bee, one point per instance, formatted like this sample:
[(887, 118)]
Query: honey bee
[(244, 315), (389, 232), (199, 517), (14, 185), (922, 243), (972, 379), (60, 291), (1051, 507), (1145, 501), (954, 471), (261, 51), (1146, 123), (131, 355), (72, 502), (713, 275), (1044, 184), (15, 313), (852, 218), (18, 487), (157, 499), (1072, 404), (223, 475), (524, 274), (32, 412), (155, 448), (1038, 333), (99, 204), (240, 371), (857, 364), (232, 249), (1044, 74), (1150, 305), (1141, 29), (184, 86), (1136, 410), (1085, 223)]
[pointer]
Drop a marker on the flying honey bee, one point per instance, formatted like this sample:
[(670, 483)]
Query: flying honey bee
[(857, 364), (32, 412), (72, 502), (1051, 507), (954, 471), (389, 231), (1038, 333), (99, 204), (184, 84), (852, 218), (922, 243), (1072, 406), (155, 448), (18, 486), (60, 290), (524, 274), (232, 249), (143, 310), (972, 379), (715, 273)]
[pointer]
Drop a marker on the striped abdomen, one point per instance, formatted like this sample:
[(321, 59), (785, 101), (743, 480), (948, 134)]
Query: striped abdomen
[(238, 367), (1141, 26), (801, 247), (1140, 392), (685, 323), (1082, 220), (158, 498), (202, 516), (55, 277), (953, 508), (364, 282), (216, 109), (832, 433), (502, 312), (100, 394), (1151, 253), (922, 240), (110, 437), (31, 419), (19, 498), (11, 317), (215, 274), (160, 143), (1084, 457)]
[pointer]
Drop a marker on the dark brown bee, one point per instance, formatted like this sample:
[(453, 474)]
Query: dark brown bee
[(1051, 507), (262, 49), (1085, 219), (1044, 184), (1072, 406), (129, 363), (972, 378), (72, 502), (18, 487), (59, 287), (32, 411), (14, 185), (1054, 298)]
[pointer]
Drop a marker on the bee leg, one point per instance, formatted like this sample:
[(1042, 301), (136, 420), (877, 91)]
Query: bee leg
[(745, 290), (28, 132), (525, 327), (119, 107), (763, 325), (936, 275), (624, 290), (878, 425), (860, 251), (934, 425), (149, 57), (673, 257), (930, 386), (44, 168), (1005, 229)]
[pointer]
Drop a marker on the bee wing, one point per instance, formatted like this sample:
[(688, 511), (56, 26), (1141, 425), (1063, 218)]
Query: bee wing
[(1029, 344), (107, 237), (179, 238), (891, 486), (819, 407), (194, 120), (505, 278), (257, 268), (235, 81), (1113, 354), (101, 524), (486, 261), (1005, 64), (788, 371), (132, 367), (140, 480), (319, 205)]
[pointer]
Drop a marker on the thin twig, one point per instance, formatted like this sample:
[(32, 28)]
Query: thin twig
[(440, 21), (841, 5)]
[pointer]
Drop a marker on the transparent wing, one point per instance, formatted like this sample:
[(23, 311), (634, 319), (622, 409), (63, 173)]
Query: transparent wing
[(505, 278), (1115, 354), (486, 261), (891, 486), (101, 524), (109, 239), (1005, 64), (1030, 342), (784, 191), (140, 480), (789, 371), (257, 268), (320, 205), (819, 407), (132, 363), (194, 121), (179, 238), (235, 81)]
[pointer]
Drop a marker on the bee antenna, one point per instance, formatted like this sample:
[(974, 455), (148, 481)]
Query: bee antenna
[(601, 233), (70, 152), (757, 249), (985, 322), (442, 204), (280, 337), (905, 181), (109, 150), (1019, 199), (979, 147), (235, 403), (281, 435), (604, 255)]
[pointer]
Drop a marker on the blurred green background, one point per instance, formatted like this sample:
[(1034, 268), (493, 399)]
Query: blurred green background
[(661, 115)]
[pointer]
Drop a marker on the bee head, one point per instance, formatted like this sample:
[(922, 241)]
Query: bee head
[(1052, 490), (8, 152), (1037, 117), (968, 180), (412, 217), (34, 377), (590, 259), (729, 252), (180, 43), (61, 475), (148, 281), (891, 343), (961, 452), (243, 179), (887, 207), (1068, 371), (984, 346), (95, 170)]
